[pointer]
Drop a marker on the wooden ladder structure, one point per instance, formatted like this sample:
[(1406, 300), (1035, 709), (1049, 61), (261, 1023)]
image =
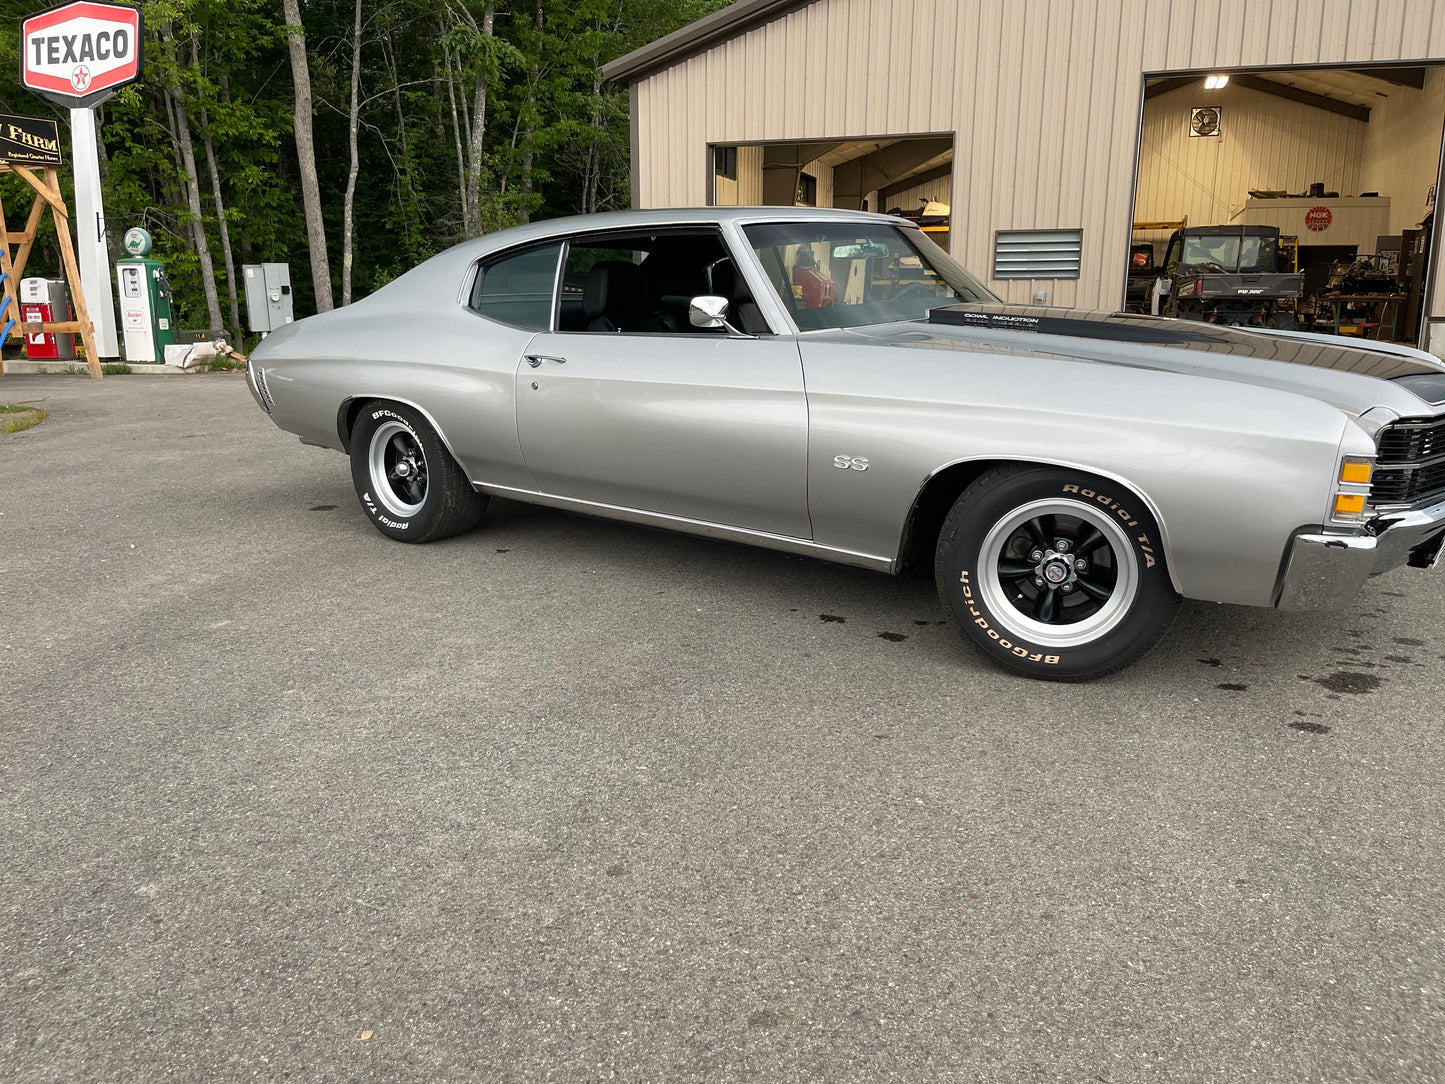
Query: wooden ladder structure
[(47, 196)]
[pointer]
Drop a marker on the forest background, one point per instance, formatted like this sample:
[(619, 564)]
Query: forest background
[(426, 122)]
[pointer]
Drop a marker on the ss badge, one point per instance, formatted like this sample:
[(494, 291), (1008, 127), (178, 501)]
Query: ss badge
[(850, 462)]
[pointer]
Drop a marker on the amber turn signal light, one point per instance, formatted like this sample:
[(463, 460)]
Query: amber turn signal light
[(1349, 504), (1356, 471)]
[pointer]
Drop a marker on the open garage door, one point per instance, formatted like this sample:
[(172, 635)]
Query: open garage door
[(910, 176), (1292, 198)]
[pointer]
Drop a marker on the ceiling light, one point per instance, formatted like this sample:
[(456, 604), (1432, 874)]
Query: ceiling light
[(1216, 82)]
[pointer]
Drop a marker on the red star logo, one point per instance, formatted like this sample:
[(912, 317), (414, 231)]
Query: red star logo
[(80, 78)]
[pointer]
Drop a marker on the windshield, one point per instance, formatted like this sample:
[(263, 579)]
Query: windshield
[(1230, 253), (854, 273)]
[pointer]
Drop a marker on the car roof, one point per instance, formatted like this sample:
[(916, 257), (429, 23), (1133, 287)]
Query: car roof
[(668, 216), (444, 273)]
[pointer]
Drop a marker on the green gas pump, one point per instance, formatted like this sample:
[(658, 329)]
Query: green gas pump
[(145, 300)]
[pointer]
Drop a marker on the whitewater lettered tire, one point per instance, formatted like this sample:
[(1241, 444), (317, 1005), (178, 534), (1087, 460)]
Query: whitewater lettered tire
[(408, 483), (1054, 573)]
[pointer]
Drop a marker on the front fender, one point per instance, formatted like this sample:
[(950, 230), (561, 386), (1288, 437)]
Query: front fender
[(1229, 471)]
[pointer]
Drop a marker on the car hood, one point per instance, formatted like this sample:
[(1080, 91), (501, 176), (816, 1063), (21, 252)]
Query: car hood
[(1353, 377)]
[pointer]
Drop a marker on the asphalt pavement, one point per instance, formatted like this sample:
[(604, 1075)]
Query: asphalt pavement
[(568, 800)]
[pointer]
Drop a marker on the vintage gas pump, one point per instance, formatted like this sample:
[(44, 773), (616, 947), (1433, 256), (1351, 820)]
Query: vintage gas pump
[(145, 300), (45, 301)]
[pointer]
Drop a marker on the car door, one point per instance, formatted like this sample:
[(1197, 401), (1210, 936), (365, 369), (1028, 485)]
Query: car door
[(702, 426)]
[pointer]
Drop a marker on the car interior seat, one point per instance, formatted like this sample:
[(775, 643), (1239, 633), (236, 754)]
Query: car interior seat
[(616, 299), (743, 312)]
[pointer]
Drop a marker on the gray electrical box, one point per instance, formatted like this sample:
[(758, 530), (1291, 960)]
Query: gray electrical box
[(268, 296)]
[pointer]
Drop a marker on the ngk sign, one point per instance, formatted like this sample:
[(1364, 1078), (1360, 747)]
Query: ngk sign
[(78, 54)]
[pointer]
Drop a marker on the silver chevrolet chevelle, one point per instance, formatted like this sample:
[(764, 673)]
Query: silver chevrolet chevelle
[(833, 384)]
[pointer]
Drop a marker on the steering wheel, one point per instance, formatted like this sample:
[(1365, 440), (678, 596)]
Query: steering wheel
[(913, 289)]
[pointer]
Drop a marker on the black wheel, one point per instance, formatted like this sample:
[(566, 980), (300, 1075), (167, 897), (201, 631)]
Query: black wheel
[(1054, 573), (1285, 321), (407, 481)]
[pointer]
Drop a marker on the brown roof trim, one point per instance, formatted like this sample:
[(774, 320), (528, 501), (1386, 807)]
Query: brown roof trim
[(697, 37)]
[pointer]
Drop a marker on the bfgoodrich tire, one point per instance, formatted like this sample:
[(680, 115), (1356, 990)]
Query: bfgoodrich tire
[(1054, 573), (408, 483)]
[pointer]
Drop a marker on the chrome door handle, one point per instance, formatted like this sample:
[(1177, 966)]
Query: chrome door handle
[(535, 360)]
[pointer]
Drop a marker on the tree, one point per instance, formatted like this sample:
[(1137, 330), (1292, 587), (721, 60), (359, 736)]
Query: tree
[(406, 125), (176, 113), (353, 117), (306, 156)]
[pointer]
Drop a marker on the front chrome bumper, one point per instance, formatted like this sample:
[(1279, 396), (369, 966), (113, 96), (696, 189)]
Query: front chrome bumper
[(1326, 571)]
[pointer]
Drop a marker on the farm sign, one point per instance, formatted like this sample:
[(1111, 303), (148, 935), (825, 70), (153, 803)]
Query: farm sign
[(30, 141), (78, 54)]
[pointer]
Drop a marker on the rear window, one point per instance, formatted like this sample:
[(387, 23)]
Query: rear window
[(516, 289), (1248, 254)]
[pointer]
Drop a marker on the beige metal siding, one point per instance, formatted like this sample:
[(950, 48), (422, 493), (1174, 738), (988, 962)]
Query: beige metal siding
[(907, 200), (1358, 222), (747, 189), (1264, 142), (1402, 150), (1044, 97)]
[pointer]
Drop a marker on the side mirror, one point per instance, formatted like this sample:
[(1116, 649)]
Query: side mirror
[(708, 312)]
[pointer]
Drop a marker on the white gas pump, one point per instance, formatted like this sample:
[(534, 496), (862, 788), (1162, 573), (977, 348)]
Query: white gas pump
[(145, 301)]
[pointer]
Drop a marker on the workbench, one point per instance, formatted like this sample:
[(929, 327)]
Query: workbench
[(1389, 304)]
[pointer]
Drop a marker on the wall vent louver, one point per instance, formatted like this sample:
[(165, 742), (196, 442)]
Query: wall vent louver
[(1037, 254)]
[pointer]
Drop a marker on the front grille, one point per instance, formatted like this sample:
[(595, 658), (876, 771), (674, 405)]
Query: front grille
[(1410, 464), (1410, 441)]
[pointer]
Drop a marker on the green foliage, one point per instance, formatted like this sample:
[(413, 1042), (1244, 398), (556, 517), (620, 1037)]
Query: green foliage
[(556, 137), (115, 368)]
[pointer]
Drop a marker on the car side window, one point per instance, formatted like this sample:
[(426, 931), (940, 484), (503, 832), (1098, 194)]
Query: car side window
[(516, 289), (643, 282)]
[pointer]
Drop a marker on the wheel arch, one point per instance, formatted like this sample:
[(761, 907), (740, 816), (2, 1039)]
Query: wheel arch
[(352, 406), (938, 492)]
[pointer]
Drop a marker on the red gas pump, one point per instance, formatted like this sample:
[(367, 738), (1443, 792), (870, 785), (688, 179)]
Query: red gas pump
[(813, 287), (46, 301)]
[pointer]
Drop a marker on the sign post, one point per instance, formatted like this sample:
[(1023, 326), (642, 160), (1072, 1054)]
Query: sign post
[(78, 55), (90, 231)]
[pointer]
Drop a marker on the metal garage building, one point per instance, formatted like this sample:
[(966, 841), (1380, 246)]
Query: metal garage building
[(1052, 126)]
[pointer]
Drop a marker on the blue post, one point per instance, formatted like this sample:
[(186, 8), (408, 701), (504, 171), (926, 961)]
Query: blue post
[(4, 304)]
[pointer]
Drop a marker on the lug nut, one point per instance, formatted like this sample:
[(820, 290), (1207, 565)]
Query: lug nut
[(1066, 588), (1081, 565), (1038, 581), (1062, 545), (1036, 555)]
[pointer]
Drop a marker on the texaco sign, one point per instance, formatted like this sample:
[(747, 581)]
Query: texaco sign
[(78, 54)]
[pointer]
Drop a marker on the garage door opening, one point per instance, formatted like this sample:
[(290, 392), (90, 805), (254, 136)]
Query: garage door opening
[(910, 176), (1296, 199)]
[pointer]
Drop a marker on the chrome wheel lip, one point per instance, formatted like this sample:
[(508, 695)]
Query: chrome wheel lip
[(381, 480), (1078, 633)]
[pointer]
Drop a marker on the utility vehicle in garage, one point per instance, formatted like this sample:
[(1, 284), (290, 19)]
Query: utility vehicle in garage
[(1227, 275)]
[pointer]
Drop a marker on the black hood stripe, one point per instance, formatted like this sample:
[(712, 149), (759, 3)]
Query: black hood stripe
[(1188, 334)]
